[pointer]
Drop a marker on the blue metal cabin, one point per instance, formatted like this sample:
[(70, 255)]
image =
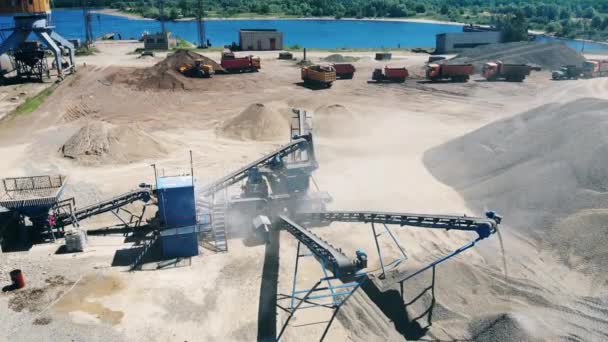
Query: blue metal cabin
[(179, 242), (176, 205), (177, 210)]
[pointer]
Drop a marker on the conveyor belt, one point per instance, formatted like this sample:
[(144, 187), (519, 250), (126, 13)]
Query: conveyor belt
[(331, 257), (107, 205), (240, 174), (483, 226)]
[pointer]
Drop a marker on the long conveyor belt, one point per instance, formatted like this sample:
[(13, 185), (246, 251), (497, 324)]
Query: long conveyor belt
[(240, 174), (331, 257), (107, 205), (482, 226)]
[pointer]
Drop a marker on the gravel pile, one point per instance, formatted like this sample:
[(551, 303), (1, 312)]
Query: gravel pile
[(546, 55), (545, 170)]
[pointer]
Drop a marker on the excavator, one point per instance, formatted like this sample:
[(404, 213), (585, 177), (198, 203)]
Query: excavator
[(197, 69)]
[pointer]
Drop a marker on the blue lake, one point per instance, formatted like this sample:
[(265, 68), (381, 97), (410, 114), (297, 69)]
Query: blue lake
[(306, 33)]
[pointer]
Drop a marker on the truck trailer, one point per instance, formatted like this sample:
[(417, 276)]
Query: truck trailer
[(344, 71), (595, 68), (496, 71), (452, 72)]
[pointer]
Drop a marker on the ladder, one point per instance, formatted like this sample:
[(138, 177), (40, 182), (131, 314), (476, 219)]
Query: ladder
[(218, 224), (145, 250)]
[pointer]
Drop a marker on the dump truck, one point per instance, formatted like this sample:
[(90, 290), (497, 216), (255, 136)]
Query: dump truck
[(344, 70), (567, 72), (595, 68), (495, 71), (197, 69), (234, 64), (453, 72), (319, 75), (390, 75)]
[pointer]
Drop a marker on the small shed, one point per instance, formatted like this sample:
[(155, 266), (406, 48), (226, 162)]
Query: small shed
[(159, 41), (260, 39), (176, 205), (179, 242)]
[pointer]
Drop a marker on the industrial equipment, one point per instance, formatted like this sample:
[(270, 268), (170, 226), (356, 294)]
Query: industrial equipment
[(344, 71), (495, 71), (319, 75), (453, 72), (567, 72), (197, 69), (234, 64), (34, 17), (390, 75)]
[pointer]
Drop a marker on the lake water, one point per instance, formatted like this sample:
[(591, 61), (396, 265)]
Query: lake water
[(306, 33)]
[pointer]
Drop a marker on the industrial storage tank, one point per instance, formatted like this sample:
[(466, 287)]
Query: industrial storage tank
[(24, 7)]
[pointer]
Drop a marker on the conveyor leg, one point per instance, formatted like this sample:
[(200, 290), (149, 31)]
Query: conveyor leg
[(383, 275), (295, 278)]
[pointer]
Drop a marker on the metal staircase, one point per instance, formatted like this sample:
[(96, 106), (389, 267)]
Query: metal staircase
[(218, 225), (144, 251)]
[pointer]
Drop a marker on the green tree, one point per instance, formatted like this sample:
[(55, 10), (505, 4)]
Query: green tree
[(596, 22), (174, 13), (420, 8)]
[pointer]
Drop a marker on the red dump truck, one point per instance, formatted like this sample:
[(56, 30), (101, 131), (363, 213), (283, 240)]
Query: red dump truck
[(453, 72), (495, 71), (344, 70), (390, 75), (240, 64), (595, 68)]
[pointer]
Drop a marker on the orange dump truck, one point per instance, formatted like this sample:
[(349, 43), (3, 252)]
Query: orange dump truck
[(319, 75), (495, 71), (453, 72)]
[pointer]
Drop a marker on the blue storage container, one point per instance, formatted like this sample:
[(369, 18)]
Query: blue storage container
[(176, 204), (179, 242)]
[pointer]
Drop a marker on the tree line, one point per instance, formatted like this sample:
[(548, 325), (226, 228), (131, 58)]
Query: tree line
[(564, 18)]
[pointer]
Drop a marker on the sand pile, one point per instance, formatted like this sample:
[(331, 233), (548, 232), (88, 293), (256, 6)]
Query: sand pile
[(257, 122), (546, 55), (545, 170), (165, 75), (338, 58), (100, 142), (503, 327), (334, 120)]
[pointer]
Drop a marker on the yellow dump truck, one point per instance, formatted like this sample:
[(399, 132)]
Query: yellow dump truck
[(319, 75)]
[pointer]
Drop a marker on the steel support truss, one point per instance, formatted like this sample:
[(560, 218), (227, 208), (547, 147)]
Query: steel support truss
[(326, 293)]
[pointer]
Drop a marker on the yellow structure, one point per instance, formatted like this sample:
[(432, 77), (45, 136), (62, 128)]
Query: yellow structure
[(16, 8)]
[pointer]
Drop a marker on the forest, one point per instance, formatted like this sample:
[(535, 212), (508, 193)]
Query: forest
[(564, 18)]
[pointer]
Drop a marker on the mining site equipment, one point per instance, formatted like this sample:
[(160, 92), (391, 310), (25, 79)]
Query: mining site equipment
[(319, 75), (286, 55), (197, 69), (33, 18), (387, 74), (498, 71), (234, 64), (567, 72), (595, 68), (452, 72), (272, 193), (344, 71)]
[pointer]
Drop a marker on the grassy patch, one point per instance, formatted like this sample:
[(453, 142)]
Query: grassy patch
[(32, 103), (86, 51)]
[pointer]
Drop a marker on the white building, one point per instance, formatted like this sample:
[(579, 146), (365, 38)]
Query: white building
[(450, 42), (260, 39)]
